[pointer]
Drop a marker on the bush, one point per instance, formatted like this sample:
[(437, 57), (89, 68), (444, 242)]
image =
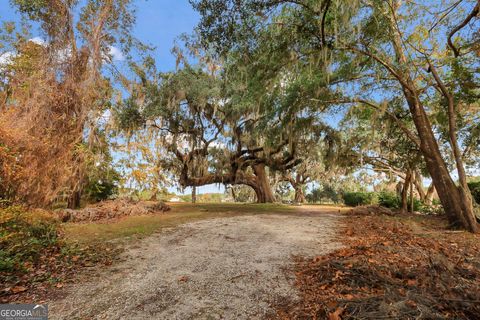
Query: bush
[(325, 193), (358, 198), (314, 196), (392, 201), (102, 178), (475, 190), (389, 200), (417, 204), (101, 190), (102, 184), (24, 236)]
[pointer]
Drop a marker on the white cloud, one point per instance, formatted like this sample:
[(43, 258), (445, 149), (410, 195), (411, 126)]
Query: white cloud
[(6, 57), (38, 40), (218, 145), (115, 53)]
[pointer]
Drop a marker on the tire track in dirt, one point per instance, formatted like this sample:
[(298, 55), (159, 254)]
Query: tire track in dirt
[(223, 268)]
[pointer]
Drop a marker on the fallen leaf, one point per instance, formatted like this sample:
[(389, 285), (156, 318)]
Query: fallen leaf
[(411, 282), (335, 315), (19, 289), (411, 304)]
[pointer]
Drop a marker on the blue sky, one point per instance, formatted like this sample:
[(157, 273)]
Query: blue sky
[(159, 23)]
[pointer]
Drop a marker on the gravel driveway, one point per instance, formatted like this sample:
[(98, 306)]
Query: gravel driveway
[(223, 268)]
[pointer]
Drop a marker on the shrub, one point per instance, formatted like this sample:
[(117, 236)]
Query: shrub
[(326, 193), (314, 196), (389, 200), (417, 204), (359, 198), (24, 236), (102, 184), (101, 190), (475, 190), (393, 201)]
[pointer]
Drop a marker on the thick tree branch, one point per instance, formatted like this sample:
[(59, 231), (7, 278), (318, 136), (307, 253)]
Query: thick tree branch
[(475, 11)]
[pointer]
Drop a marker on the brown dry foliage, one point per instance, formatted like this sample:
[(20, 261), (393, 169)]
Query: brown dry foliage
[(391, 269), (41, 125), (113, 209), (54, 92)]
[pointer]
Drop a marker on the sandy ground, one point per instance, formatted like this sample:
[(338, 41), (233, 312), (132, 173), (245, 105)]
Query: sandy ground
[(223, 268)]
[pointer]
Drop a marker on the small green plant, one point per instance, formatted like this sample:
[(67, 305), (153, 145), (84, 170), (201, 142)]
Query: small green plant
[(359, 198), (24, 235)]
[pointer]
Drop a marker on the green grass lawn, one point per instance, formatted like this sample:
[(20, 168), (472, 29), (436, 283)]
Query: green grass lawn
[(138, 226)]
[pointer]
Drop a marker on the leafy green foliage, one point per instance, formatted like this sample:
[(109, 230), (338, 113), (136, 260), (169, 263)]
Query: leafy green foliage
[(103, 179), (103, 188), (389, 200), (359, 198), (128, 116), (417, 204), (314, 196), (325, 193), (475, 190), (35, 9), (24, 235)]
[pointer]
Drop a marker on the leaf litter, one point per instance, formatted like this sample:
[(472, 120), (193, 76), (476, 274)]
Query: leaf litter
[(401, 267)]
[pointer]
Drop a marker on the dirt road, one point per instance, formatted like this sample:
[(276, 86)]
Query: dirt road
[(223, 268)]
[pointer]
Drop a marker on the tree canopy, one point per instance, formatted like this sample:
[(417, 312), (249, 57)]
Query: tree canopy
[(370, 53), (265, 93)]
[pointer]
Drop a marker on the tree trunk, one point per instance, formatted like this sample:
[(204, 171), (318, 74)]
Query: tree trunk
[(153, 197), (429, 194), (404, 195), (262, 186), (234, 195), (412, 199), (457, 206), (399, 188), (455, 200), (194, 194), (73, 201), (299, 194), (417, 180)]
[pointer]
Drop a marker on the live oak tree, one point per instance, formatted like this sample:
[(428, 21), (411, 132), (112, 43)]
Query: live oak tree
[(210, 143), (215, 133), (320, 162), (371, 51)]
